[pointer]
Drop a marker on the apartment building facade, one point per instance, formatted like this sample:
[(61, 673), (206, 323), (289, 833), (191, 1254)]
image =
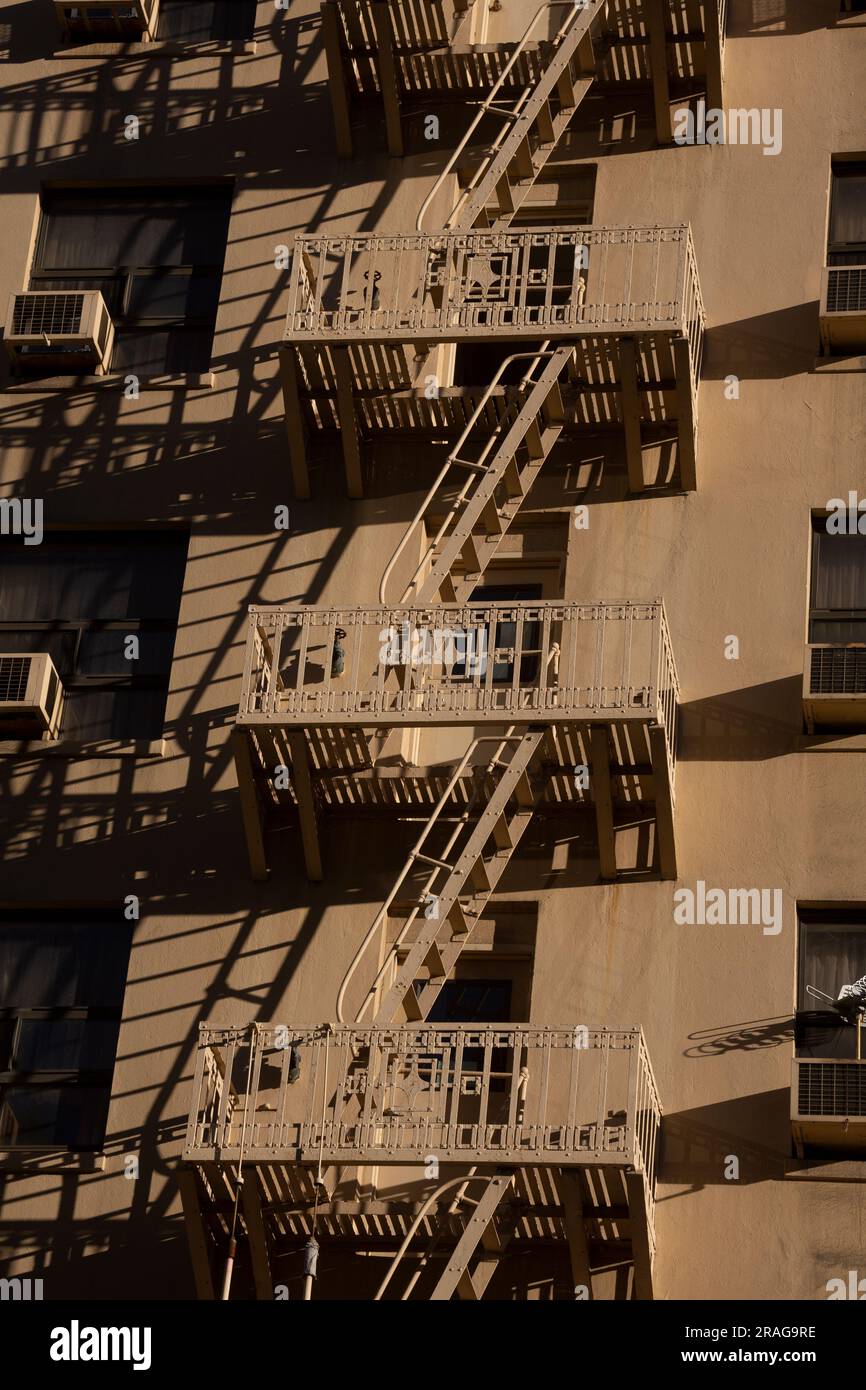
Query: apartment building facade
[(432, 604)]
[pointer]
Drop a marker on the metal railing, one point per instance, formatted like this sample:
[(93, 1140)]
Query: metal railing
[(534, 283), (539, 662), (486, 1093), (416, 26), (574, 23)]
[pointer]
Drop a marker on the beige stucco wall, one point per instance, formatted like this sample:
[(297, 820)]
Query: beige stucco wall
[(758, 805)]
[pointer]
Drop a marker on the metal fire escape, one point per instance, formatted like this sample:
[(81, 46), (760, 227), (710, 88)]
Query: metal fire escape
[(546, 1134), (375, 319)]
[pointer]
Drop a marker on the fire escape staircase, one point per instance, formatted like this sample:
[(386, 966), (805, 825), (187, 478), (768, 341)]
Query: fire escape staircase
[(462, 878), (478, 518), (532, 126)]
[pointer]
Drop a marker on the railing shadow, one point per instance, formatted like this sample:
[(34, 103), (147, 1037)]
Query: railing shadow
[(775, 18)]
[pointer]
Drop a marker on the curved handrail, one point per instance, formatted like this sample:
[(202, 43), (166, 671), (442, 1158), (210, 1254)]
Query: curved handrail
[(448, 464), (486, 106), (437, 1192), (414, 853)]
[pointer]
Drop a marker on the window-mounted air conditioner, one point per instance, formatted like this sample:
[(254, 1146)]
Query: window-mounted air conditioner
[(117, 19), (834, 686), (828, 1103), (843, 309), (31, 695), (70, 328)]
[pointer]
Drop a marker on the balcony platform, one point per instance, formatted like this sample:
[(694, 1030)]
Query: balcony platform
[(370, 315), (598, 678), (572, 1113), (401, 56)]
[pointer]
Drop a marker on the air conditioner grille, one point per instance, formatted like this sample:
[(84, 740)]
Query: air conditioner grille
[(51, 314), (831, 1088), (838, 671), (14, 675), (846, 290)]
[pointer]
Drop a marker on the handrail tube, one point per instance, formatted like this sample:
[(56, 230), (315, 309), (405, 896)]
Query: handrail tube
[(383, 911), (486, 105), (449, 463)]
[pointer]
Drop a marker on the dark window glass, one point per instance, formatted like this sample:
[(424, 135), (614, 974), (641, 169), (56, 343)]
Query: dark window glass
[(832, 954), (156, 255), (838, 597), (474, 1001), (81, 597), (847, 237), (62, 980), (502, 636), (198, 20)]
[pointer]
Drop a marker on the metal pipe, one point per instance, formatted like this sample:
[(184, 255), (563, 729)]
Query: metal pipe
[(536, 357), (434, 1196), (383, 911)]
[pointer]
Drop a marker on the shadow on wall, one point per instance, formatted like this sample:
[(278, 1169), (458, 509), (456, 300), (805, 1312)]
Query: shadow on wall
[(773, 18), (757, 722), (766, 347), (698, 1145), (754, 1036), (28, 32)]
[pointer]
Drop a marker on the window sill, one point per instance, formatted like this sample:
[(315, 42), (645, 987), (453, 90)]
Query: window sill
[(839, 364), (71, 748), (50, 1160), (160, 48), (183, 381)]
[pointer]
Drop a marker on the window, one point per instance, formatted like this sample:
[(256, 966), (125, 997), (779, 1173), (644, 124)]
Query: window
[(837, 610), (564, 196), (197, 20), (157, 257), (846, 243), (832, 953), (472, 1001), (80, 596), (502, 636), (62, 982)]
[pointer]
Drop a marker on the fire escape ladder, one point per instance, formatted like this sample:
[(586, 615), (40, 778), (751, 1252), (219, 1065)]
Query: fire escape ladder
[(482, 1241), (470, 880), (480, 515), (532, 129)]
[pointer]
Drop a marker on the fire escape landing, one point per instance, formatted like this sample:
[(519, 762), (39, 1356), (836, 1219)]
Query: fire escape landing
[(487, 1140)]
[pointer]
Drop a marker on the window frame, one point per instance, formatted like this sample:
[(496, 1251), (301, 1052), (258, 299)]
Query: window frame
[(73, 1078), (75, 681), (124, 276), (845, 252), (815, 614)]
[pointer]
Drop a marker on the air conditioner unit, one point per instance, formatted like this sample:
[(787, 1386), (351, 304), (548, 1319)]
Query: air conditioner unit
[(111, 19), (834, 686), (70, 328), (828, 1103), (31, 695), (843, 309)]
